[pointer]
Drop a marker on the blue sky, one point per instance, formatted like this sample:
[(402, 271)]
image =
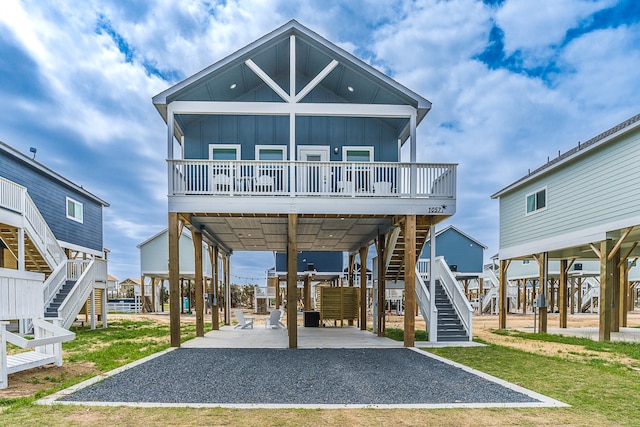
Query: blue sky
[(512, 82)]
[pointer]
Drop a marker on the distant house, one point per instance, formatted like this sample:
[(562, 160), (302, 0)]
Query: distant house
[(52, 227), (154, 267), (582, 205), (464, 254)]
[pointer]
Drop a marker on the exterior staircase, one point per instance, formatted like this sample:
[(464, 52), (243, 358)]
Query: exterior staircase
[(449, 321), (450, 328), (51, 311), (68, 283)]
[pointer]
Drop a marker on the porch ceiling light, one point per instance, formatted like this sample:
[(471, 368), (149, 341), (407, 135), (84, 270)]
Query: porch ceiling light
[(350, 88), (233, 86)]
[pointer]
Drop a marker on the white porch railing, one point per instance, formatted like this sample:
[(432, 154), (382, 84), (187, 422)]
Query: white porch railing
[(20, 294), (292, 178)]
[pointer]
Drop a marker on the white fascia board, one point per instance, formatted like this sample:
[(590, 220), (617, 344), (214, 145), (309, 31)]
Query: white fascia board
[(558, 164), (311, 205), (79, 248), (285, 108)]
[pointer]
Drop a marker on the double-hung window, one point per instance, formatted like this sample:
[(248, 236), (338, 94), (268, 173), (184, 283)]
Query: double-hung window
[(536, 201), (75, 210)]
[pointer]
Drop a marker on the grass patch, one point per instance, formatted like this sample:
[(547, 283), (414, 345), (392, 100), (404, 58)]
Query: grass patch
[(629, 349), (607, 393), (397, 334)]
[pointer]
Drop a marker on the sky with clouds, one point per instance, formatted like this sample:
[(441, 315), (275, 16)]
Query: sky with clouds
[(512, 82)]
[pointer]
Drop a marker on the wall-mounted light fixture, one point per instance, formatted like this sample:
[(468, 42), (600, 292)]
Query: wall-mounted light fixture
[(335, 150)]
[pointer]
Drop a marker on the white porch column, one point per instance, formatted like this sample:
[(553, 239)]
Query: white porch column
[(170, 125), (92, 305), (433, 324), (413, 153), (104, 308)]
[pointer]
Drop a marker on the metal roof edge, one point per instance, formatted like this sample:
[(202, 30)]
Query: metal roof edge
[(292, 27), (53, 174), (597, 141)]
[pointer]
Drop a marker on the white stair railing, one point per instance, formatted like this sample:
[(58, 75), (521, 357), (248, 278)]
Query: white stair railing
[(591, 294), (423, 298), (488, 299), (455, 293), (14, 197), (54, 282), (452, 288), (85, 273)]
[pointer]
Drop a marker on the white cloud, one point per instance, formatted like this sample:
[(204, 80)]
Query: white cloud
[(535, 27)]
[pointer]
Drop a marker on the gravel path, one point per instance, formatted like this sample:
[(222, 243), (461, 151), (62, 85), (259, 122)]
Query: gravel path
[(297, 376)]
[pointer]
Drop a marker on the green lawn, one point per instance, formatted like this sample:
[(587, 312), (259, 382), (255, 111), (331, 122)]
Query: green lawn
[(599, 392)]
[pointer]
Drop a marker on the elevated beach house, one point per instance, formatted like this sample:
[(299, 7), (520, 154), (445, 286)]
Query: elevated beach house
[(293, 144), (52, 260), (583, 205)]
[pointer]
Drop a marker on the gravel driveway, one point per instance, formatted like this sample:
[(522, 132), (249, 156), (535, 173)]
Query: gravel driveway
[(297, 377)]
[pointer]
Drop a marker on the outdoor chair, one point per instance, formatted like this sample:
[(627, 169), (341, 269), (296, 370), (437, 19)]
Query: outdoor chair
[(275, 320), (264, 183), (221, 182), (243, 322)]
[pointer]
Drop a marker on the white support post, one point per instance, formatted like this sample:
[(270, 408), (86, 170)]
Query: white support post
[(21, 249), (433, 324), (104, 308), (3, 355), (170, 122), (292, 154), (92, 305)]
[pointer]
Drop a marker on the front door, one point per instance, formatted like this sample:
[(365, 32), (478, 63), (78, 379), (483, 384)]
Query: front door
[(314, 177)]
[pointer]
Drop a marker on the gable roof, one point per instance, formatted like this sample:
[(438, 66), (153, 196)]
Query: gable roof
[(271, 50), (451, 227), (576, 152), (50, 173)]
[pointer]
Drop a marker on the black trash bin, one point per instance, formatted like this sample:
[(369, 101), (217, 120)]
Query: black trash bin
[(312, 319)]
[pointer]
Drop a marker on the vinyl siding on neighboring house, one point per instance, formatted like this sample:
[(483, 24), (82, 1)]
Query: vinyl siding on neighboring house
[(50, 197), (597, 188)]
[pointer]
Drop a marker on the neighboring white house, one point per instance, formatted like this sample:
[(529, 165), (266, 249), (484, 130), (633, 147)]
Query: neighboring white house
[(293, 144), (583, 205), (154, 268)]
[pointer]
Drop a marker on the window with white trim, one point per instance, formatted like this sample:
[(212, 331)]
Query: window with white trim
[(271, 152), (75, 210), (224, 151), (536, 201), (357, 154)]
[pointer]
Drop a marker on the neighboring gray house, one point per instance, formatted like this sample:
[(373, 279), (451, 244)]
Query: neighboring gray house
[(293, 144), (584, 204), (73, 213)]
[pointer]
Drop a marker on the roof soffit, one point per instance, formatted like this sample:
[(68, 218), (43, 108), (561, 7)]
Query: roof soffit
[(271, 54)]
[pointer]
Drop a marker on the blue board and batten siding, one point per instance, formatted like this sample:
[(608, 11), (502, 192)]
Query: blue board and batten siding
[(249, 131), (323, 261), (598, 188), (459, 250), (50, 197)]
